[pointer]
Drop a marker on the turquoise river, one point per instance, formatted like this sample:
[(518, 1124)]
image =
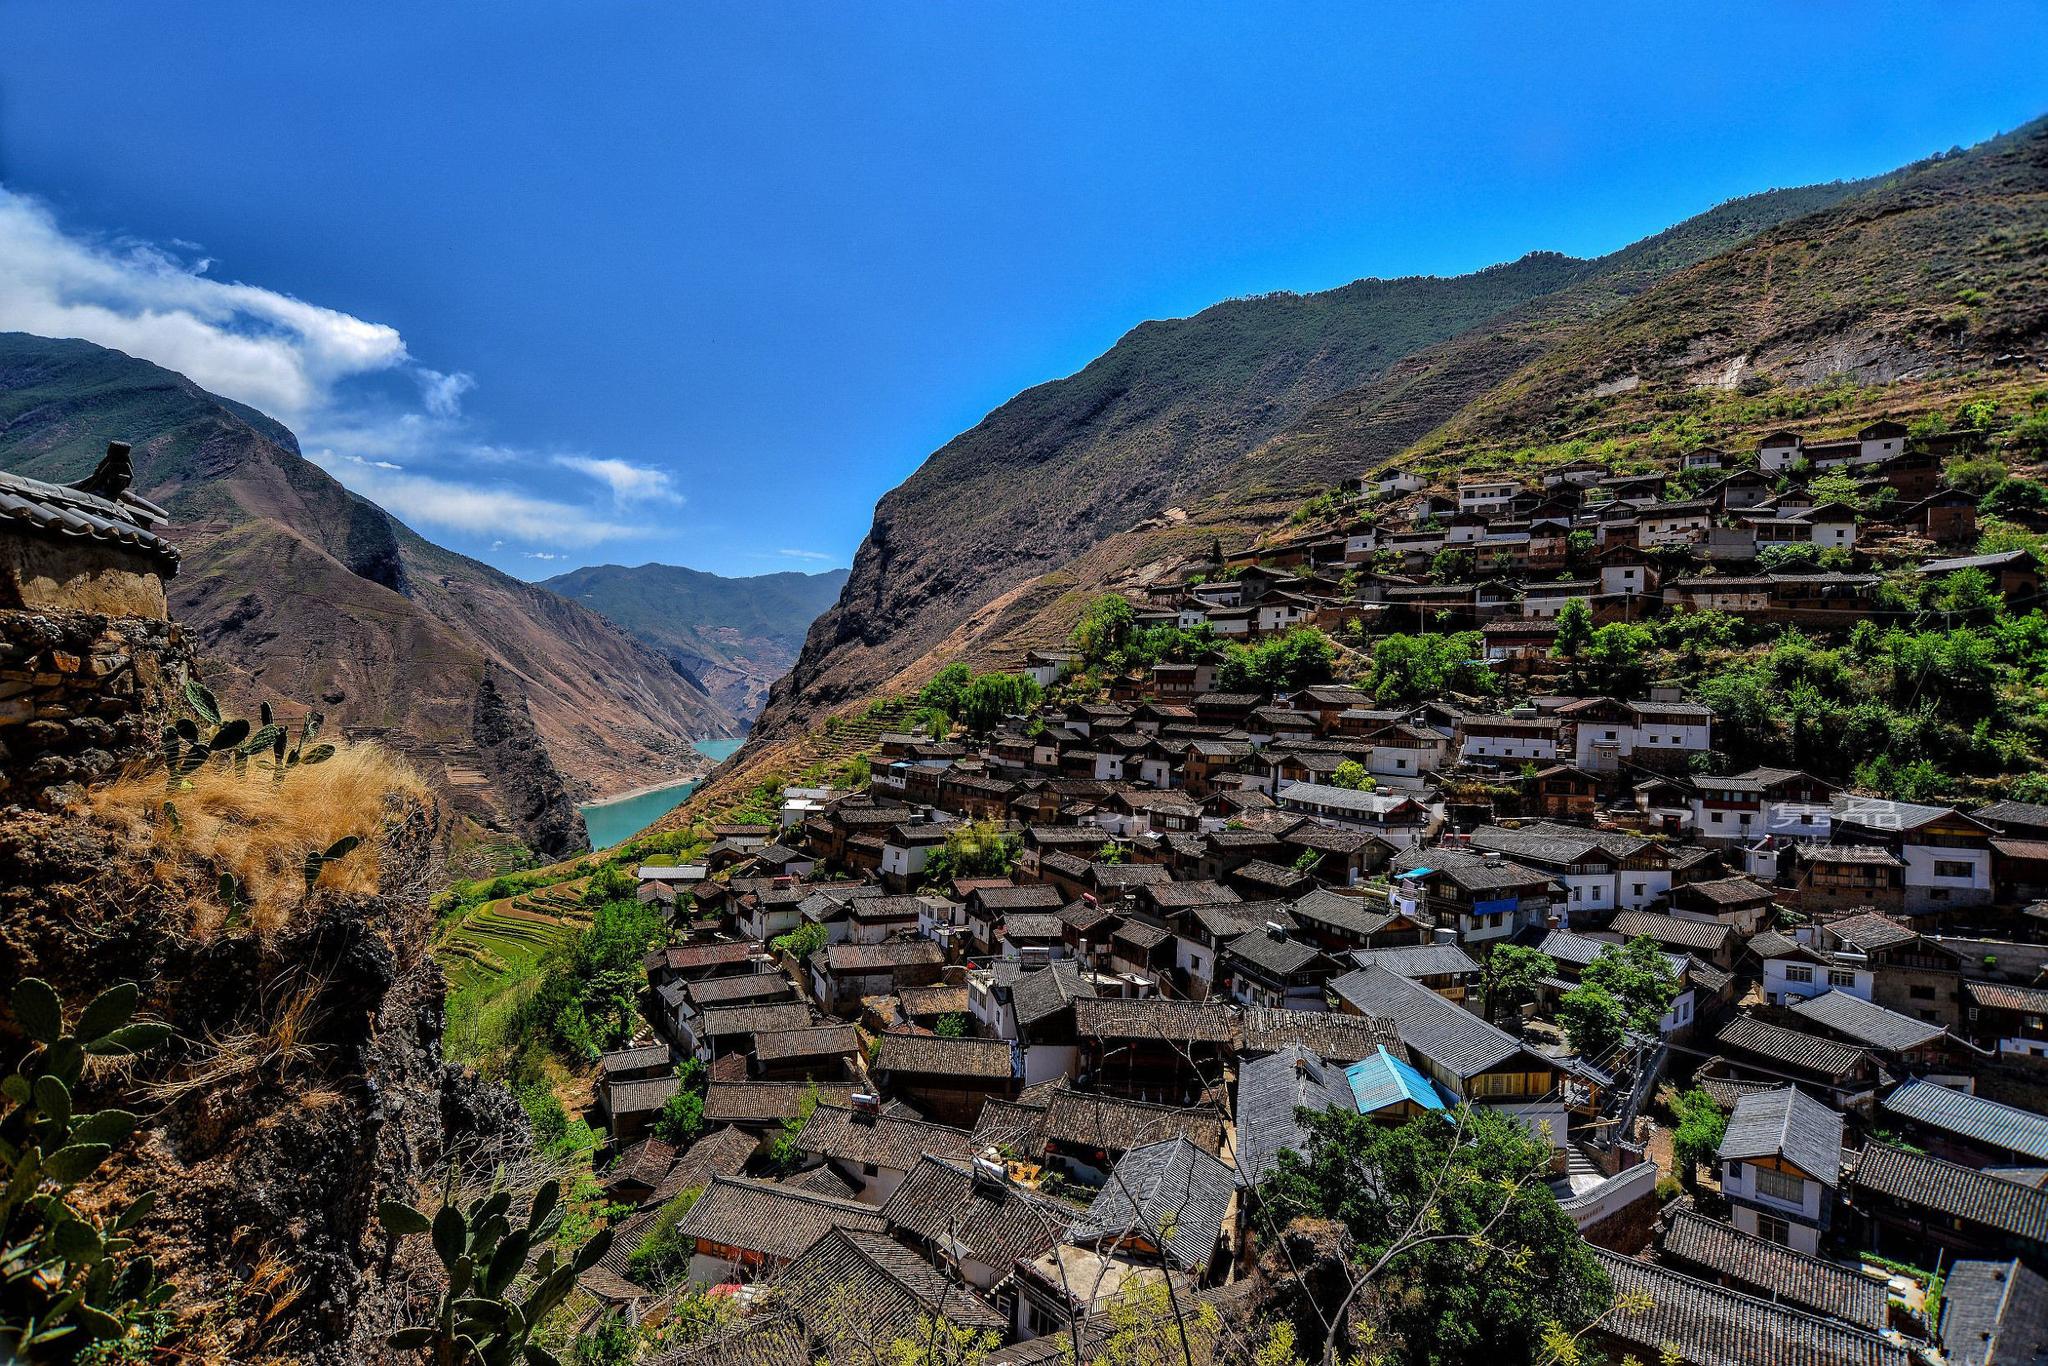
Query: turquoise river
[(622, 818)]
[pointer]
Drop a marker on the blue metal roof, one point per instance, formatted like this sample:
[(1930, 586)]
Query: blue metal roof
[(1383, 1080)]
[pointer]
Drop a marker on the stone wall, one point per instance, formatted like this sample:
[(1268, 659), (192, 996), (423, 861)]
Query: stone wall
[(80, 695), (78, 574)]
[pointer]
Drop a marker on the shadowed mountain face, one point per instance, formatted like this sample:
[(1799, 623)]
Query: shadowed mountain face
[(1213, 427), (736, 636), (300, 592)]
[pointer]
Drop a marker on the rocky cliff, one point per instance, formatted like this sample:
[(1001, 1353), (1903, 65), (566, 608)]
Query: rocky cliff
[(304, 1083)]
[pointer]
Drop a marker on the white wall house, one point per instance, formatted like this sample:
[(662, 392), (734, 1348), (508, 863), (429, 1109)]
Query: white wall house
[(1486, 495)]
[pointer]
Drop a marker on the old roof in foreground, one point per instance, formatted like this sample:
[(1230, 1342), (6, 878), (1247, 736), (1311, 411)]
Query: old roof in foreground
[(1772, 1270), (1713, 1326)]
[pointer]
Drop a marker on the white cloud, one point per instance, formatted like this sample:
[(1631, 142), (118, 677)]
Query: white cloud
[(542, 555), (265, 348), (804, 554), (479, 510), (443, 393), (627, 481)]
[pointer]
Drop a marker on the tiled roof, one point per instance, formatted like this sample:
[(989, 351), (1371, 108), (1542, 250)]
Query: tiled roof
[(1451, 1036), (1789, 1124), (852, 1288), (722, 1152), (1276, 954), (1762, 1267), (758, 1102), (1088, 1120), (1704, 936), (640, 1097), (1960, 1192), (1807, 1052), (2005, 1127), (930, 1055), (1269, 1092), (2006, 996), (941, 1203), (777, 1221), (1042, 993), (1153, 1017), (721, 1021), (1994, 1314), (885, 1140), (72, 512), (895, 953), (1337, 1036), (1708, 1325), (748, 986), (1346, 914), (1169, 1193), (820, 1041), (634, 1059), (1868, 930), (1866, 1022), (1419, 960)]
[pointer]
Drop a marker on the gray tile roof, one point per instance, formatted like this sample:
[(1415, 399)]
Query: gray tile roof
[(942, 1204), (1269, 1092), (1866, 1022), (1805, 1052), (930, 1055), (854, 1287), (1701, 936), (1276, 954), (1708, 1325), (777, 1221), (1419, 960), (1451, 1036), (1789, 1124), (68, 512), (760, 1102), (721, 1021), (1972, 1117), (884, 1140), (1959, 1192), (1169, 1193), (1337, 1036), (1762, 1267), (1994, 1314), (1154, 1017), (1042, 993)]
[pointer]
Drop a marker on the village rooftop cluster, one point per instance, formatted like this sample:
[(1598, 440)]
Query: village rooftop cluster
[(1015, 1097)]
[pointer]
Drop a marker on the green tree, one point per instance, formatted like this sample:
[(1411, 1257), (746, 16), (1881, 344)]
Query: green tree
[(803, 941), (991, 697), (1640, 977), (942, 694), (1618, 657), (662, 1256), (1281, 664), (1510, 976), (972, 849), (1408, 669), (1574, 629), (1592, 1019), (1104, 625), (784, 1153), (1352, 774), (1467, 1253), (1696, 1139), (2010, 498), (953, 1026)]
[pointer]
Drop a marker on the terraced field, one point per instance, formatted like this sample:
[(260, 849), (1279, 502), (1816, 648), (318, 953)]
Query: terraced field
[(504, 939)]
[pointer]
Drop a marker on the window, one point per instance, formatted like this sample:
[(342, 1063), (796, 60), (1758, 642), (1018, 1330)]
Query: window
[(1921, 993), (1772, 1229), (1779, 1186), (1952, 868), (1838, 978), (1798, 972)]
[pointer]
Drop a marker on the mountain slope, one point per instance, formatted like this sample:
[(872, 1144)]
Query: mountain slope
[(299, 591), (736, 636), (1192, 430)]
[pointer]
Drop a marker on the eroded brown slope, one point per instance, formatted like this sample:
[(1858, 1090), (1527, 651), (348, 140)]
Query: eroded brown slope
[(299, 591)]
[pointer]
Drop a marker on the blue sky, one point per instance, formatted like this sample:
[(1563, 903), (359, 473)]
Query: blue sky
[(573, 283)]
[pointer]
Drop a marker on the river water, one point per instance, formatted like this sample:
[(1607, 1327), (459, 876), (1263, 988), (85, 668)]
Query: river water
[(611, 822)]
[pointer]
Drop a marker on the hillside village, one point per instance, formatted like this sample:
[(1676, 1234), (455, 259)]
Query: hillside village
[(1025, 1020)]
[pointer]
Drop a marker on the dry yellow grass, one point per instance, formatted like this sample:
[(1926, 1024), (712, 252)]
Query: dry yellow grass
[(261, 829)]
